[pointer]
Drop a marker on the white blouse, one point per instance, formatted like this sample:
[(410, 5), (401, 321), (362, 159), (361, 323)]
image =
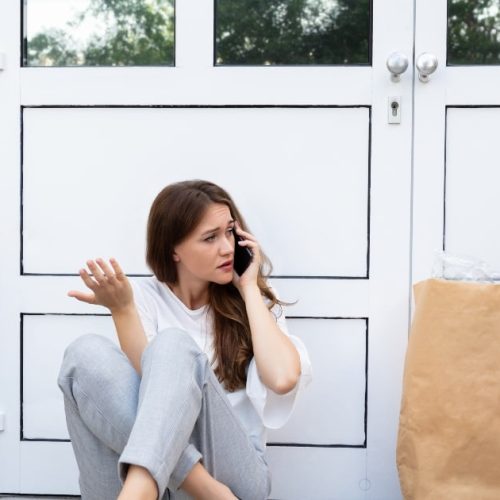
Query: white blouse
[(257, 406)]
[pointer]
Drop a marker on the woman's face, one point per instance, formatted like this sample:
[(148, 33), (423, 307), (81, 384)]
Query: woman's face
[(200, 256)]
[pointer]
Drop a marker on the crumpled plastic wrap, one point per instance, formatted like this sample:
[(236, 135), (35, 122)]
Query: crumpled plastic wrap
[(462, 268)]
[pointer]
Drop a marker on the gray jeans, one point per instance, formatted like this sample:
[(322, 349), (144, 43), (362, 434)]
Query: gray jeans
[(173, 416)]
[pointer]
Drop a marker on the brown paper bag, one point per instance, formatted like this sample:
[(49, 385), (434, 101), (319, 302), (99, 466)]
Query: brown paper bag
[(449, 427)]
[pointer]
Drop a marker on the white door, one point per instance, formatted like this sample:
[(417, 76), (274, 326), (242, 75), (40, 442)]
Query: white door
[(308, 154), (457, 118)]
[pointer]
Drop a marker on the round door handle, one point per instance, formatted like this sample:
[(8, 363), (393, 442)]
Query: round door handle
[(426, 65), (397, 64)]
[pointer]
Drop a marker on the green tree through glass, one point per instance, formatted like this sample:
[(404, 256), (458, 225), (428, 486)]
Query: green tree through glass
[(253, 32), (137, 32), (473, 32), (293, 32)]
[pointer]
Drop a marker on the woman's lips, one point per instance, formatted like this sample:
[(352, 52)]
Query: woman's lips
[(227, 266)]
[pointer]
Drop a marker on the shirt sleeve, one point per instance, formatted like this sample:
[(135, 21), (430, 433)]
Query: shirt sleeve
[(275, 409), (145, 309)]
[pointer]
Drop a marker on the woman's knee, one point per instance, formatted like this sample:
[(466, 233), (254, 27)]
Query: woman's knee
[(173, 341), (85, 354)]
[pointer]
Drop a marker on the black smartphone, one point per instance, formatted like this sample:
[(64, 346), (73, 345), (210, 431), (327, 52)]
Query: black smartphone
[(242, 255)]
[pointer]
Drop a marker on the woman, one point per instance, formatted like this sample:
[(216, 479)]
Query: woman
[(156, 417)]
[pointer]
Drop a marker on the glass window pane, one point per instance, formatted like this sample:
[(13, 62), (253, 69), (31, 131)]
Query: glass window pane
[(98, 32), (262, 32), (473, 32)]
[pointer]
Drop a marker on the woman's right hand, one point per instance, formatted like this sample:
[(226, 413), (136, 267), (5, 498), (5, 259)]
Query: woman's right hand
[(110, 287)]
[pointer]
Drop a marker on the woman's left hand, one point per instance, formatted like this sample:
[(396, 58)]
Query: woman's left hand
[(249, 277)]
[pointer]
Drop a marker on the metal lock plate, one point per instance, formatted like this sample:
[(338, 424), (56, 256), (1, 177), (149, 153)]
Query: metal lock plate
[(394, 110)]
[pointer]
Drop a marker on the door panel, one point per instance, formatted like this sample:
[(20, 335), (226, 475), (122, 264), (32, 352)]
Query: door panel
[(267, 157), (345, 340), (471, 199), (42, 410)]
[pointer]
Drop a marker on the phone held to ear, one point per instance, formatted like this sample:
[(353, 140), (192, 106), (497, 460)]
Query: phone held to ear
[(242, 255)]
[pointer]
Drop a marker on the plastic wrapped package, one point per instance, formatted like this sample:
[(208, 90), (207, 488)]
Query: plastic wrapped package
[(449, 427)]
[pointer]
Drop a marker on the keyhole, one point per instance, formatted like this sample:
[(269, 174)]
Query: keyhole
[(394, 106)]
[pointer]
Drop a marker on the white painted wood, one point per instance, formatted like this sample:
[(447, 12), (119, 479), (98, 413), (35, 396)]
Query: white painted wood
[(472, 180), (9, 248), (347, 298), (429, 142), (472, 85), (314, 162), (194, 51), (327, 137), (333, 413), (51, 466), (389, 254), (468, 138), (44, 339), (143, 86), (44, 497), (331, 473)]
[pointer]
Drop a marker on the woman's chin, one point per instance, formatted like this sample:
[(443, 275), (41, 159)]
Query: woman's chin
[(223, 280)]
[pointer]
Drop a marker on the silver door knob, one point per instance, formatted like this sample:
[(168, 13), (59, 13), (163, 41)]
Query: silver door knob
[(396, 64), (426, 65)]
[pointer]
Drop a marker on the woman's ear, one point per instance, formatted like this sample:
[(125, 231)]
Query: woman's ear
[(176, 258)]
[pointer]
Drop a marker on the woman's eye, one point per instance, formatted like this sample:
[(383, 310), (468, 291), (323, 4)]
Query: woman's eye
[(210, 238)]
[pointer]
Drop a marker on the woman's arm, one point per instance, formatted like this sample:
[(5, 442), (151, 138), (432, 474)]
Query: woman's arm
[(277, 359), (130, 334), (111, 288)]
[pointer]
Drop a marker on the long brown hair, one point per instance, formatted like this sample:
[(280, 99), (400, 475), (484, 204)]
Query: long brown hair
[(175, 213)]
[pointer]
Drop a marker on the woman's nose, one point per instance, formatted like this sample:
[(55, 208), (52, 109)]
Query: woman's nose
[(227, 245)]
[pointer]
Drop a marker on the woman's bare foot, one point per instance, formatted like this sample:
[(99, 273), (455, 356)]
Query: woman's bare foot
[(200, 485), (139, 485)]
